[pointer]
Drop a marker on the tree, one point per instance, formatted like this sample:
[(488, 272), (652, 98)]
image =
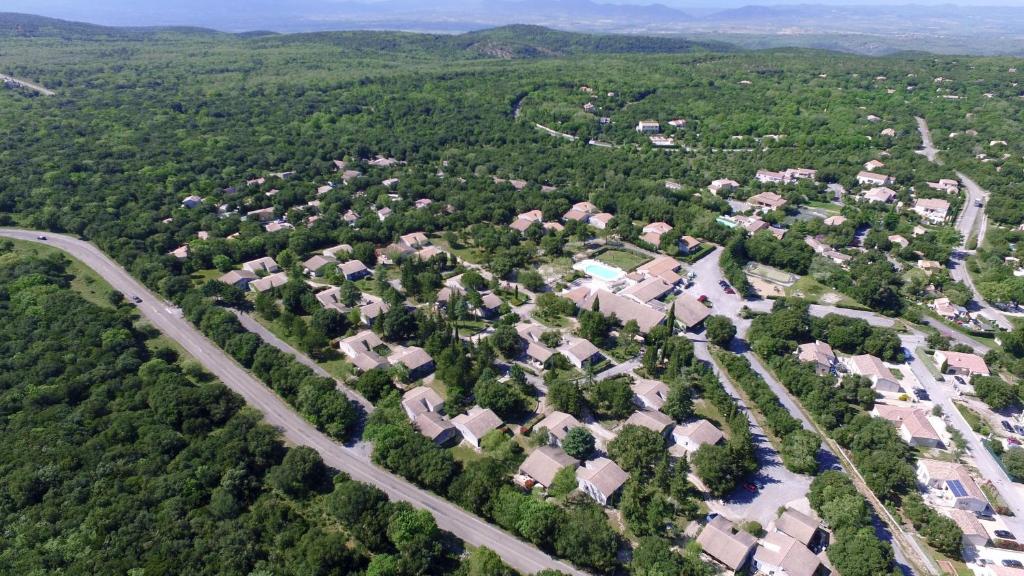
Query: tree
[(374, 384), (484, 562), (637, 450), (505, 400), (564, 394), (799, 451), (1013, 460), (653, 556), (578, 443), (612, 398), (679, 403), (507, 341), (564, 482), (719, 330), (300, 473)]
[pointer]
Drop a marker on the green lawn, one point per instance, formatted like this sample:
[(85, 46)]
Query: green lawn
[(86, 282), (815, 292), (627, 261), (826, 206), (465, 454)]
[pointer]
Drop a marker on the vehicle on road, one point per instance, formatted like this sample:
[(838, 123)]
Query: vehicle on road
[(1011, 563), (136, 299), (1004, 534), (979, 203), (983, 561), (41, 237)]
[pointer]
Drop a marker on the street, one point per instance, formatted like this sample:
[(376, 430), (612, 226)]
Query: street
[(296, 430)]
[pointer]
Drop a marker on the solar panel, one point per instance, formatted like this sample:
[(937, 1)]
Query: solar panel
[(956, 488)]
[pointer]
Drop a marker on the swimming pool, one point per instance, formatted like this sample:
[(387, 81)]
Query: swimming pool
[(599, 270)]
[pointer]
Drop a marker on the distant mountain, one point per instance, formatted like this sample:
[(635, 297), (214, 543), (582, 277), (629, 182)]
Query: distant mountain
[(509, 42), (31, 26)]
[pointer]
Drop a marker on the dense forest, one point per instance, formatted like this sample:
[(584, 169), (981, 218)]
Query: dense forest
[(122, 457)]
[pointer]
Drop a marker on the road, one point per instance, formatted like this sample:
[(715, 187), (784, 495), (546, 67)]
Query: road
[(27, 84), (972, 218), (928, 147), (296, 430)]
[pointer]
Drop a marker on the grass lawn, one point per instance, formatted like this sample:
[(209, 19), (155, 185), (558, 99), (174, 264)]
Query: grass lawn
[(707, 410), (926, 359), (200, 278), (463, 453), (627, 261), (339, 367), (826, 206), (816, 292), (89, 284), (465, 253)]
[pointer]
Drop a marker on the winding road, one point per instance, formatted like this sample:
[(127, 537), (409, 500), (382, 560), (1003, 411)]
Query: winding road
[(296, 430)]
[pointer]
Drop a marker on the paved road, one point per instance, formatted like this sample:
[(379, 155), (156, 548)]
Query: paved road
[(470, 528), (928, 147), (972, 218)]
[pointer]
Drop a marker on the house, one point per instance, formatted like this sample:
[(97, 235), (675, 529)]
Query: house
[(524, 220), (333, 251), (652, 420), (950, 484), (946, 185), (422, 203), (689, 312), (390, 182), (435, 427), (589, 107), (721, 184), (793, 174), (889, 132), (416, 361), (820, 354), (350, 217), (653, 232), (880, 194), (871, 367), (769, 177), (362, 348), (373, 308), (277, 226), (677, 123), (933, 209), (658, 140), (767, 201), (414, 240), (600, 220), (191, 201), (625, 309), (648, 290), (803, 528), (836, 220), (181, 252), (912, 423), (331, 299), (872, 165), (536, 351), (580, 212), (974, 533), (943, 307), (421, 399), (269, 282), (961, 363), (581, 353), (601, 479), (383, 162), (899, 240), (779, 554), (649, 394), (238, 278), (320, 191), (673, 185), (752, 224), (663, 267), (318, 264), (353, 270), (874, 179), (558, 425), (929, 266), (383, 213), (544, 463), (476, 423), (688, 244), (261, 215), (722, 542), (489, 305), (648, 127), (691, 436)]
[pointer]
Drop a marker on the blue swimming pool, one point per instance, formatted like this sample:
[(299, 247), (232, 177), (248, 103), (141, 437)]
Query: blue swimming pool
[(603, 271)]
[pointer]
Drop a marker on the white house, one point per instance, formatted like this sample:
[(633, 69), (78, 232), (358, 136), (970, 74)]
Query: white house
[(601, 479), (950, 484), (476, 423), (871, 367), (874, 179)]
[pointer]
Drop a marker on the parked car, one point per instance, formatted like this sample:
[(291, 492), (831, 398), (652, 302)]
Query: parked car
[(1018, 429), (921, 393), (703, 298), (1011, 563), (750, 487), (1006, 426), (959, 380), (41, 237), (1004, 534), (979, 203), (729, 290)]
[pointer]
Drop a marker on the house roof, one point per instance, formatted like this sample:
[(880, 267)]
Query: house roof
[(269, 282), (521, 224), (432, 425), (364, 340), (624, 308), (780, 549), (652, 392), (558, 424), (798, 525), (700, 432), (532, 216), (650, 289), (235, 276), (334, 250), (817, 351), (932, 204), (319, 261), (967, 521), (478, 421), (575, 214), (689, 311), (602, 217), (872, 176), (412, 357), (657, 228), (581, 350), (835, 220), (265, 263), (942, 472), (352, 267), (659, 265), (603, 474), (420, 399), (880, 194), (721, 540), (490, 301), (650, 419), (538, 352), (964, 361), (543, 463), (914, 420), (415, 239), (769, 199), (870, 366)]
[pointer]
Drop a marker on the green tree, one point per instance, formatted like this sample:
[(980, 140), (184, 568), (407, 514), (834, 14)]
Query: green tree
[(578, 443), (300, 473), (719, 330)]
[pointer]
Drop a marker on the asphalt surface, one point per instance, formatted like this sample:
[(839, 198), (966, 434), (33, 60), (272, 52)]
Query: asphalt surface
[(470, 528), (928, 147)]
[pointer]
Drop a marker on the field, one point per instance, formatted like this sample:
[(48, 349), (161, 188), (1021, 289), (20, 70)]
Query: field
[(622, 259), (86, 282)]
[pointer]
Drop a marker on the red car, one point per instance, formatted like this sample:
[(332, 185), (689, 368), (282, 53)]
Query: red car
[(702, 298), (750, 487), (729, 290)]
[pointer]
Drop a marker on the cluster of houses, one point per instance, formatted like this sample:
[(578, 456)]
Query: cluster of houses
[(794, 545)]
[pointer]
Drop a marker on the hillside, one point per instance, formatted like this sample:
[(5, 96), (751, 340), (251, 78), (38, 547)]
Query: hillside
[(15, 25)]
